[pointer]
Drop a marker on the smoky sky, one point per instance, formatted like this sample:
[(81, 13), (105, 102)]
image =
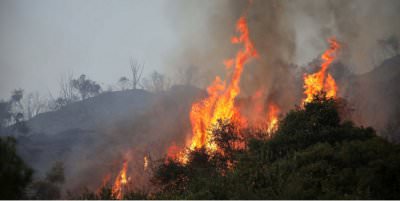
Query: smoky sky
[(42, 40)]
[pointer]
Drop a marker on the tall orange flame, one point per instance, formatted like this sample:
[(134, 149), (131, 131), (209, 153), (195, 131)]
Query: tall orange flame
[(220, 101), (322, 80), (120, 182), (145, 163), (272, 118)]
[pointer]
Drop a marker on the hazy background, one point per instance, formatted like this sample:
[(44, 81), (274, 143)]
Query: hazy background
[(41, 40)]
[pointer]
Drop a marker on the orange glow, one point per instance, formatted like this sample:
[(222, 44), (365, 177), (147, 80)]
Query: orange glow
[(145, 163), (322, 80), (272, 118), (104, 183), (120, 182), (176, 154), (220, 103)]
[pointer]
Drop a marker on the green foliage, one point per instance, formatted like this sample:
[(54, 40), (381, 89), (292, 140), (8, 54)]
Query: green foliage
[(312, 155), (15, 175)]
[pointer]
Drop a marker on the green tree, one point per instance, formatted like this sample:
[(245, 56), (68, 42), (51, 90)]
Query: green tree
[(15, 175)]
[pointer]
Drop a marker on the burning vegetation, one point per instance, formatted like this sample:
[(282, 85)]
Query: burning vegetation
[(322, 80), (251, 145)]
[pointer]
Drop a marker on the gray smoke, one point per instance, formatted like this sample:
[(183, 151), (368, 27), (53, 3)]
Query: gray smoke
[(288, 35)]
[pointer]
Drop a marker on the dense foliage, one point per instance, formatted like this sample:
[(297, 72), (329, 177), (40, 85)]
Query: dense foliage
[(15, 175), (312, 155)]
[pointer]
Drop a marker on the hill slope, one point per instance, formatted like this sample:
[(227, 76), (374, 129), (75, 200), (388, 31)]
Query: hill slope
[(88, 134)]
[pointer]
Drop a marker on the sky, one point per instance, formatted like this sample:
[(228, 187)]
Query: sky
[(43, 39)]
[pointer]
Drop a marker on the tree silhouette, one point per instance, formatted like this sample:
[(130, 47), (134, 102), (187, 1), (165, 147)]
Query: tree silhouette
[(86, 87), (15, 175), (136, 71)]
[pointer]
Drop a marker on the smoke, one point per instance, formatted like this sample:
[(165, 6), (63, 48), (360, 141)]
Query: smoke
[(288, 35), (206, 43), (357, 24)]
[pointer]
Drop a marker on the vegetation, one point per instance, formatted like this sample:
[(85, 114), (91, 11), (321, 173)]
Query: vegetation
[(50, 186), (15, 175), (313, 155)]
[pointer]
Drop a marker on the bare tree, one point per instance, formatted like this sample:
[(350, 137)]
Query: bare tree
[(34, 104), (16, 105), (188, 75), (137, 71), (67, 93)]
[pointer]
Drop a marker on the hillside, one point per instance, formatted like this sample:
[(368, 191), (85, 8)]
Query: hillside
[(132, 119), (375, 96), (106, 126)]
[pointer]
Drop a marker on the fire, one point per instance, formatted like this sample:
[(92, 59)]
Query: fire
[(322, 80), (120, 182), (272, 118), (145, 163), (220, 103), (175, 153)]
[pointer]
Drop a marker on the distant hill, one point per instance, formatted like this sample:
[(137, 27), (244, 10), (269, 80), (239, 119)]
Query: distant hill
[(124, 120), (93, 112), (375, 97)]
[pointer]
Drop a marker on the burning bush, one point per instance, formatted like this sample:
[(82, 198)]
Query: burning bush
[(312, 155)]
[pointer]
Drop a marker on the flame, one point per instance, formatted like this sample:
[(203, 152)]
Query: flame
[(322, 80), (272, 118), (175, 153), (120, 182), (104, 182), (145, 163), (220, 101)]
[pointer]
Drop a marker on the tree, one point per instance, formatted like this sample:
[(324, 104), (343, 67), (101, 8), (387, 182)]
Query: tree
[(188, 75), (136, 70), (15, 175), (50, 187), (5, 114), (123, 82), (67, 93), (314, 154), (17, 96), (86, 87), (33, 105), (157, 82)]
